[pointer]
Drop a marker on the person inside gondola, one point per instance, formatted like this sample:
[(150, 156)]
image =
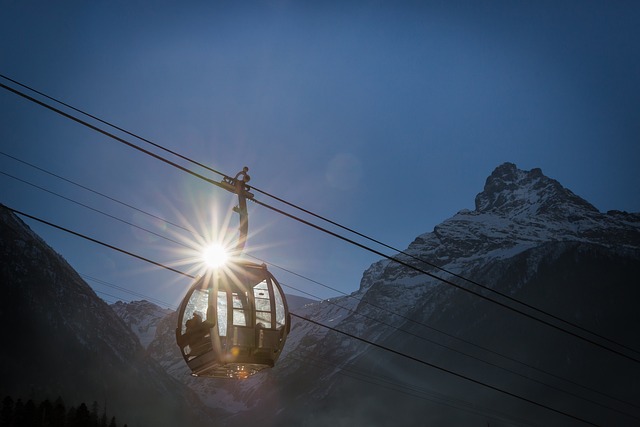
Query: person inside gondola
[(197, 335), (194, 323)]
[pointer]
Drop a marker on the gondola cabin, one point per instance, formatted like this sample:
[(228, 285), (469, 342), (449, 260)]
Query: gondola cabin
[(233, 322)]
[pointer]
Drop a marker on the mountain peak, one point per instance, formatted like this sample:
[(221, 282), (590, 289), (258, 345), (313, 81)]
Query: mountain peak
[(513, 192)]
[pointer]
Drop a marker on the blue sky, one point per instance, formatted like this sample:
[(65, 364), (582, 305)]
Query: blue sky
[(384, 116)]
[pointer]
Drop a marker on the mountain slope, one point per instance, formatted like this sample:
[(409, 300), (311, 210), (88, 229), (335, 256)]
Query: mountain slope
[(528, 238), (60, 339), (156, 327), (456, 359), (141, 317)]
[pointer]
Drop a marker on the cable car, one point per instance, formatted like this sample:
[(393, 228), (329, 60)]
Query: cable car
[(233, 322)]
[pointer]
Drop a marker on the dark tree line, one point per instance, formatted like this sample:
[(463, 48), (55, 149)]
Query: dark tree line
[(16, 413)]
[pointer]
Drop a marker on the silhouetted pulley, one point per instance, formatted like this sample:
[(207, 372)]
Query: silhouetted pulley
[(233, 322)]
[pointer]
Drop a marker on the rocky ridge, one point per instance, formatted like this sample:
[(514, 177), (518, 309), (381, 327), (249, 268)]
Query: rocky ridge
[(529, 237)]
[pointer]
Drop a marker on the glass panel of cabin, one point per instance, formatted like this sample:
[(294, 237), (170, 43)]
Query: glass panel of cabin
[(222, 314), (240, 307), (280, 317), (263, 319), (196, 308), (263, 304)]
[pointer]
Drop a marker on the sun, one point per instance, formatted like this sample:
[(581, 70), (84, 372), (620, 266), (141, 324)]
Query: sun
[(215, 255)]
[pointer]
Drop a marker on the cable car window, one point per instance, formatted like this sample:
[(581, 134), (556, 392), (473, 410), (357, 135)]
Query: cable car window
[(263, 320), (263, 305), (197, 304), (261, 294), (280, 311), (222, 314), (239, 307)]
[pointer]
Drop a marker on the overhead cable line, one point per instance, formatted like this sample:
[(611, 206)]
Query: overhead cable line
[(395, 387), (445, 370), (323, 218), (112, 136), (348, 240), (340, 306), (378, 380), (108, 295), (470, 356), (95, 192), (129, 291), (110, 124), (462, 340), (115, 248), (446, 281), (368, 342), (97, 210), (410, 390)]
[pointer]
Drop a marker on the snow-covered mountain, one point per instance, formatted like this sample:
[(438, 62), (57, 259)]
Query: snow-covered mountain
[(60, 339), (458, 359), (442, 356), (142, 317)]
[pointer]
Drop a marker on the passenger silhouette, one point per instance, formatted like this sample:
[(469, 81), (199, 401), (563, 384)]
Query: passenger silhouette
[(196, 335), (194, 323)]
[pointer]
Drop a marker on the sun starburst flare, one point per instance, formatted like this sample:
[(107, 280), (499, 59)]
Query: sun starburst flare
[(215, 255)]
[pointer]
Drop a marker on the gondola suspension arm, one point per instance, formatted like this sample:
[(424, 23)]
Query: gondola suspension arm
[(238, 185)]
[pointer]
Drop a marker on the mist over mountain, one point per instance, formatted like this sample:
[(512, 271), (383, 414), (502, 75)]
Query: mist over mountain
[(456, 359)]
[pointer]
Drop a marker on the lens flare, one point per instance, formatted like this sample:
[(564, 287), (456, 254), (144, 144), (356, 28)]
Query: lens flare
[(215, 255)]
